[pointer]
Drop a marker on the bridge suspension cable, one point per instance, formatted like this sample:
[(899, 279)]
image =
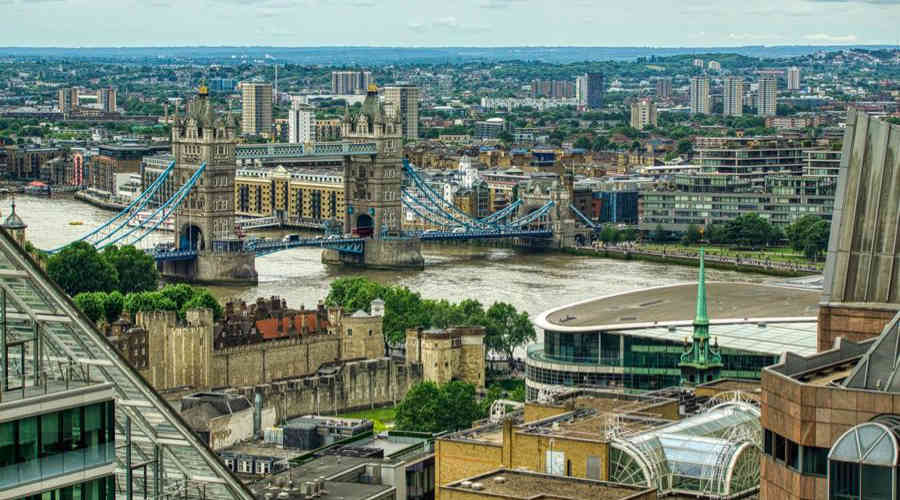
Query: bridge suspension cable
[(132, 210), (169, 207)]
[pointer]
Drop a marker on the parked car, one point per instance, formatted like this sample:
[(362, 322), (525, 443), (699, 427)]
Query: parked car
[(290, 238), (458, 230)]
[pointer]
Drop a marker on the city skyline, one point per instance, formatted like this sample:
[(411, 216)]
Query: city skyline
[(474, 23)]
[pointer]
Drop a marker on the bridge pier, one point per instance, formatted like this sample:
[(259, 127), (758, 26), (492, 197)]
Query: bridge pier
[(392, 254), (213, 269)]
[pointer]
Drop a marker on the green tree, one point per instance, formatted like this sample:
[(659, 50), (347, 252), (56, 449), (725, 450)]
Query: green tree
[(685, 147), (429, 407), (715, 233), (609, 234), (750, 230), (817, 240), (659, 235), (179, 293), (136, 269), (507, 329), (692, 236), (203, 299), (148, 301), (600, 143), (91, 304), (79, 268), (798, 230), (583, 143), (113, 305)]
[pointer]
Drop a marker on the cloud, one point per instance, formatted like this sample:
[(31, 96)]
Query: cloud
[(825, 37), (871, 2), (753, 36), (499, 4), (445, 23)]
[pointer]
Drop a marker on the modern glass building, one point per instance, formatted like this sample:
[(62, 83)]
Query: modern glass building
[(636, 341), (76, 421)]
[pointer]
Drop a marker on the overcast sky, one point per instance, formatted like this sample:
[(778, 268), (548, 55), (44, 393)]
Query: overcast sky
[(74, 23)]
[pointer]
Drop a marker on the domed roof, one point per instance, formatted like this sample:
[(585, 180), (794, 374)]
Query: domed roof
[(13, 221)]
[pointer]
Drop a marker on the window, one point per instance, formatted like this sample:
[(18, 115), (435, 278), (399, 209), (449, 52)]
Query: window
[(594, 468), (768, 437), (780, 451), (370, 333), (793, 455), (349, 332), (815, 460)]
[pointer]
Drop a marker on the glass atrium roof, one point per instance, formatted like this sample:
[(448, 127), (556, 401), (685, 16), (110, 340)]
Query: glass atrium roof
[(55, 343), (713, 454)]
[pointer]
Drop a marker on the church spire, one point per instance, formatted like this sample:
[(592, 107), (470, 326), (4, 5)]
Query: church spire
[(701, 361)]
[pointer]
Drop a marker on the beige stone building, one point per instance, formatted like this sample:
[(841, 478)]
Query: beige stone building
[(256, 108), (295, 194), (450, 354)]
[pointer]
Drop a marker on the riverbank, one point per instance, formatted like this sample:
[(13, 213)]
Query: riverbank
[(99, 202), (711, 261)]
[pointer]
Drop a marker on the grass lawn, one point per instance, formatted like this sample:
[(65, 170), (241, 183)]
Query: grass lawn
[(780, 254), (382, 418)]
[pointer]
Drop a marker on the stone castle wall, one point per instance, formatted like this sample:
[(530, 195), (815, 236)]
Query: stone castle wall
[(267, 361), (355, 385), (178, 356)]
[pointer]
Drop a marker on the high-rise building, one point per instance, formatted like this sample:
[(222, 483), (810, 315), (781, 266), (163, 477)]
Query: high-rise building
[(404, 103), (714, 66), (793, 78), (700, 95), (643, 113), (733, 96), (301, 122), (256, 115), (581, 91), (664, 88), (766, 95), (552, 88), (595, 90), (106, 98), (68, 99), (350, 82)]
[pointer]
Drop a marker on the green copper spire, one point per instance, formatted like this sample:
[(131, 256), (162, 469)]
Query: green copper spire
[(702, 318), (701, 361)]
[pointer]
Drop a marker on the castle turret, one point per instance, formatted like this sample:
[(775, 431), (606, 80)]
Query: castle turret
[(14, 225)]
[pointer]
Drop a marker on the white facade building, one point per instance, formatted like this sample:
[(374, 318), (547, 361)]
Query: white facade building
[(301, 122)]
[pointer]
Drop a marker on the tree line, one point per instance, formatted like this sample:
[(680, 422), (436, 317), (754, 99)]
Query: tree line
[(505, 327)]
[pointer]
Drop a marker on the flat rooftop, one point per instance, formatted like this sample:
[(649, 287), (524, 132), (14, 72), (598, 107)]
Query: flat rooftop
[(328, 467), (260, 449), (678, 303), (528, 485)]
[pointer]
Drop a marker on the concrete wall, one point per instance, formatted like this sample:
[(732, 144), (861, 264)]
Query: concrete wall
[(455, 460), (226, 430), (230, 268), (863, 264)]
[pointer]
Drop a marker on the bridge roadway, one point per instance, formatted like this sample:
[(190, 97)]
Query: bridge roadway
[(348, 245)]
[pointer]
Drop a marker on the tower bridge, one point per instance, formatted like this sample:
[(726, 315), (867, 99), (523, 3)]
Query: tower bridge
[(379, 184)]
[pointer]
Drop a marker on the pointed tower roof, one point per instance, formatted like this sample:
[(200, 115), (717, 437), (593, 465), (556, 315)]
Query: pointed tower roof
[(13, 221), (702, 317)]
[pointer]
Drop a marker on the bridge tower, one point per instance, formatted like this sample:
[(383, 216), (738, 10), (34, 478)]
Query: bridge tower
[(205, 220), (559, 219), (372, 187)]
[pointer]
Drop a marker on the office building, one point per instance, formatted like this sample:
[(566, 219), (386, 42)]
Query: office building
[(793, 78), (733, 96), (581, 91), (77, 421), (256, 103), (664, 88), (643, 113), (301, 122), (219, 85), (700, 95), (714, 66), (106, 99), (595, 89), (350, 82), (767, 95), (68, 99), (404, 103), (490, 128)]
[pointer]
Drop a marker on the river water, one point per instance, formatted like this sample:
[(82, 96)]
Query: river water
[(532, 282)]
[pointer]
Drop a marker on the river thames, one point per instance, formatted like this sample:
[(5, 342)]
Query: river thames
[(532, 282)]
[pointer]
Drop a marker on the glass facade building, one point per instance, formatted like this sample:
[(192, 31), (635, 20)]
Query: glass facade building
[(44, 446)]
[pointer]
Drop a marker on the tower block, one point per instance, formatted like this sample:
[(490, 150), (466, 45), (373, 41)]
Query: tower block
[(205, 220), (372, 187)]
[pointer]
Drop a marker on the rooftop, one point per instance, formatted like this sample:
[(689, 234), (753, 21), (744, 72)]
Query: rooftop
[(677, 303), (513, 484)]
